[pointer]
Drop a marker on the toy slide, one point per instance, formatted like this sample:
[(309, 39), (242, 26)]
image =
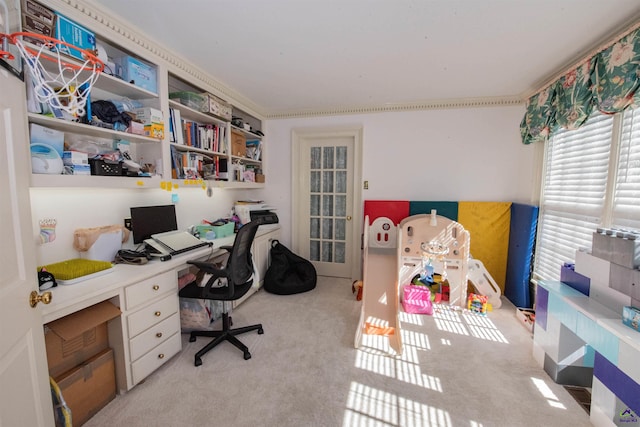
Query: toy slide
[(379, 314), (440, 240), (483, 282)]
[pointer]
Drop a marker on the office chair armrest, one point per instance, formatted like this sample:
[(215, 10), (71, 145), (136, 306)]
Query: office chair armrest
[(207, 267), (215, 274), (227, 248)]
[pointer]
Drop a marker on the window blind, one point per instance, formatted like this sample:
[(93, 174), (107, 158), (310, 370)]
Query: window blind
[(573, 193), (626, 200)]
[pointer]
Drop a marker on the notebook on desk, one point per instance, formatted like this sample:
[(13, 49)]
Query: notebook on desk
[(175, 242)]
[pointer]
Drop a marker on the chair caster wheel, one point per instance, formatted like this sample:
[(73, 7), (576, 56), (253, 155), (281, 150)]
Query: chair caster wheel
[(260, 331), (192, 339), (198, 361), (247, 356)]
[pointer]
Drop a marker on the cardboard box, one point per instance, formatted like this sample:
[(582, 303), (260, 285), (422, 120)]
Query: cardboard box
[(38, 19), (260, 178), (249, 176), (154, 130), (148, 115), (75, 34), (75, 158), (87, 388), (218, 107), (137, 72), (135, 128), (39, 12), (77, 169), (75, 338), (238, 143), (631, 317)]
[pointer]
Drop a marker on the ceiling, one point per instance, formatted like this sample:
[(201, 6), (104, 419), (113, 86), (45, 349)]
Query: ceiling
[(292, 56)]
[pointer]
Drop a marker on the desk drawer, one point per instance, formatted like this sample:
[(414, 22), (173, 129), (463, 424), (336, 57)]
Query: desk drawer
[(154, 336), (151, 288), (151, 361), (148, 316)]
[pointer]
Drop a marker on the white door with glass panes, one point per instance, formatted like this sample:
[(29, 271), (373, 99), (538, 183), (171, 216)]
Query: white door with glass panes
[(25, 396), (327, 200)]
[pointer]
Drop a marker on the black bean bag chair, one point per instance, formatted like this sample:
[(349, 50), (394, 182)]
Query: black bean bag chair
[(288, 273)]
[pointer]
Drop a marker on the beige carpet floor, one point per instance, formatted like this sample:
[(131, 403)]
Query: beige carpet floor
[(457, 369)]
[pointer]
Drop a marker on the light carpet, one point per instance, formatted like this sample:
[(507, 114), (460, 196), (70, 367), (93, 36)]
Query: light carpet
[(457, 369)]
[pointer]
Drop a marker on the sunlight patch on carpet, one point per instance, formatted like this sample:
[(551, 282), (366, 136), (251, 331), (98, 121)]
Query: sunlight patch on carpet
[(547, 393), (411, 318), (367, 406), (415, 339), (405, 368)]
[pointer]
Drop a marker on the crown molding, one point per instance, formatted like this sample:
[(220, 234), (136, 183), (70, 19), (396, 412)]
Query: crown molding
[(87, 9), (417, 106)]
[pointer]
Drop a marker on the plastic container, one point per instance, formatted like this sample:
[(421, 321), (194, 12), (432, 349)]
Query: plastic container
[(192, 100)]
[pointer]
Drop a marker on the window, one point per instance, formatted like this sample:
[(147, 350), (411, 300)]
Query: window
[(591, 179)]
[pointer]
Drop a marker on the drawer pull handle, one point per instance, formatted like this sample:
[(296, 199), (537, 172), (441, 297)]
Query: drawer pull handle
[(161, 356), (157, 313), (156, 287), (159, 335)]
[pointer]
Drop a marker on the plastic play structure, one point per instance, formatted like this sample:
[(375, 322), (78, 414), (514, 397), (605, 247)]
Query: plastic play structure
[(393, 255)]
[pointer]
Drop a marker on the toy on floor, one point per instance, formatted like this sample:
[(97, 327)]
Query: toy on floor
[(478, 304), (356, 288), (483, 283)]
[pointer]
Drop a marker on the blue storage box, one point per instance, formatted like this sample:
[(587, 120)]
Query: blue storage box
[(631, 317), (137, 72), (75, 34)]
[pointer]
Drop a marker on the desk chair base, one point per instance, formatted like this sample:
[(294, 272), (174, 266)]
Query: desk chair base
[(226, 334)]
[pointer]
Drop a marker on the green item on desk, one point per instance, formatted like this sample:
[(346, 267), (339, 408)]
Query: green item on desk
[(74, 268)]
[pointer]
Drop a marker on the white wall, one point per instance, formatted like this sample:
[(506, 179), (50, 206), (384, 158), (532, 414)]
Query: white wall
[(470, 154), (75, 208)]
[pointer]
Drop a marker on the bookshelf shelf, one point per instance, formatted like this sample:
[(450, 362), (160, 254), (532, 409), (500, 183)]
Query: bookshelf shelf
[(88, 130)]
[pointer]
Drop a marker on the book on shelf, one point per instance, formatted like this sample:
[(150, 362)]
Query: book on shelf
[(172, 135), (177, 126), (254, 149)]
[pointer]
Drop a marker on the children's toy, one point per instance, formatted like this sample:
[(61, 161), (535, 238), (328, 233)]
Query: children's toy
[(379, 314), (417, 299), (484, 283), (422, 245), (433, 240), (478, 304)]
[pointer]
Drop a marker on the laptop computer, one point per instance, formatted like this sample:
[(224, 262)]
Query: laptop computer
[(175, 242)]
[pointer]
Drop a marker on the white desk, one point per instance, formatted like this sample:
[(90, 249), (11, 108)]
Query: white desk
[(147, 333)]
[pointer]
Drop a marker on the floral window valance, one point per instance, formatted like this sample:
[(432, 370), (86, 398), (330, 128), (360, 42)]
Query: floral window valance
[(609, 81)]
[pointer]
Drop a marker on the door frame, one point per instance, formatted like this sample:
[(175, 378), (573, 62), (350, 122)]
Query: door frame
[(355, 132)]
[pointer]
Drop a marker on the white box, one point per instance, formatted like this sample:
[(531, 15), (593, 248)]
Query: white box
[(148, 115), (79, 169), (596, 269), (75, 158), (50, 137)]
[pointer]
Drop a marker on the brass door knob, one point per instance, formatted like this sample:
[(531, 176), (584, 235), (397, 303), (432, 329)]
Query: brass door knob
[(35, 298), (348, 217)]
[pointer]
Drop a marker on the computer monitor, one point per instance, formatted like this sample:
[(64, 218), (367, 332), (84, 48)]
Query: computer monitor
[(148, 220)]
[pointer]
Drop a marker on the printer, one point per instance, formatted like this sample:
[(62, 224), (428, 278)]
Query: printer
[(249, 211)]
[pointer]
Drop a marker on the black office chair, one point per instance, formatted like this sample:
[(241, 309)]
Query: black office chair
[(239, 277)]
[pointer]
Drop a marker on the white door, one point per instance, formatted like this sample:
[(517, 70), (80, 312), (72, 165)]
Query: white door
[(327, 199), (25, 396)]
